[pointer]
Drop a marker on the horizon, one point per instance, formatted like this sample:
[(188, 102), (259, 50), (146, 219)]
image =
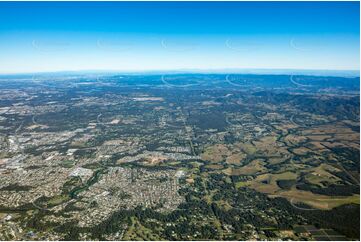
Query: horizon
[(240, 71), (173, 36)]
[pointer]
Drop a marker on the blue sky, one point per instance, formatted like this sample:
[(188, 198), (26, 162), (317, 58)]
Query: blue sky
[(140, 36)]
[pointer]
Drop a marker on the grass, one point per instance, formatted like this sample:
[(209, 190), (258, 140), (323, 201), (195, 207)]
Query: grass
[(321, 174), (242, 184), (236, 159), (67, 163), (267, 183), (58, 199), (252, 168), (230, 171), (317, 200), (215, 153), (136, 231), (247, 148), (214, 166)]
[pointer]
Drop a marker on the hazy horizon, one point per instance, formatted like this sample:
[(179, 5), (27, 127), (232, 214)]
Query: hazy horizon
[(255, 71)]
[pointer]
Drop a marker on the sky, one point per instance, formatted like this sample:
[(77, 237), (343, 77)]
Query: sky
[(144, 36)]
